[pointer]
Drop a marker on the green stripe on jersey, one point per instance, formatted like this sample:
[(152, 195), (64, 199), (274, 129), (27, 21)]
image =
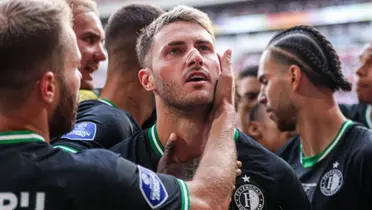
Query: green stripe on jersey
[(66, 148), (14, 137), (158, 147), (368, 116), (155, 142), (309, 161), (236, 134), (185, 195), (105, 101)]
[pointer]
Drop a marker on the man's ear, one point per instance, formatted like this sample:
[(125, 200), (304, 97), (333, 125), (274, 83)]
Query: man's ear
[(254, 130), (147, 79), (295, 74), (48, 87)]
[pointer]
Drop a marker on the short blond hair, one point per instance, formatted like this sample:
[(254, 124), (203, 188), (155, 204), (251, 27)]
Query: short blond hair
[(179, 13), (83, 6)]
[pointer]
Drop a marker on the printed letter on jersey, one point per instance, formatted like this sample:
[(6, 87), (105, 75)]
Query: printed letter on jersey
[(248, 196), (83, 131), (152, 187)]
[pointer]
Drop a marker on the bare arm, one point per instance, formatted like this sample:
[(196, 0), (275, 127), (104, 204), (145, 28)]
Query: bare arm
[(214, 179)]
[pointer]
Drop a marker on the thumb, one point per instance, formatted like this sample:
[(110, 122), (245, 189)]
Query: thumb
[(170, 147), (169, 154), (171, 142)]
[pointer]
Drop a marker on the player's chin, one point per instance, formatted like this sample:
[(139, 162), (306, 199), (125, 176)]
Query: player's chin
[(201, 97)]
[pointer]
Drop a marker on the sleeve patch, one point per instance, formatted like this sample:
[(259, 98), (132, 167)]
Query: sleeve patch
[(82, 131), (152, 187)]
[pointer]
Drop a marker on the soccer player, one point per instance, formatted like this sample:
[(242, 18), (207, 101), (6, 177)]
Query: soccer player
[(299, 72), (181, 67), (124, 105), (36, 40), (264, 130), (90, 35), (362, 112), (248, 88)]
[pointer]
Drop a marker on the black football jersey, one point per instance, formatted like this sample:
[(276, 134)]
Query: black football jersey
[(358, 113), (35, 176), (99, 124), (266, 182), (340, 177)]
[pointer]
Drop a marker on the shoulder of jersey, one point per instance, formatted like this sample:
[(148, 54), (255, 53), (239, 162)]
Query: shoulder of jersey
[(97, 108), (289, 148), (96, 111), (247, 144), (95, 161), (90, 104), (350, 110), (269, 161), (362, 137)]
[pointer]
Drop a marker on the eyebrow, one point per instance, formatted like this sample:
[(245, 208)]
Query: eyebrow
[(93, 33), (174, 43), (203, 42)]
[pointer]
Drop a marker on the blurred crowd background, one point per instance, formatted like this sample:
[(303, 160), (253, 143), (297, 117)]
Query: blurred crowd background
[(245, 26)]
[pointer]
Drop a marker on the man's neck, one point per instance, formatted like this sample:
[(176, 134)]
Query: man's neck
[(17, 122), (319, 123), (124, 95), (191, 127)]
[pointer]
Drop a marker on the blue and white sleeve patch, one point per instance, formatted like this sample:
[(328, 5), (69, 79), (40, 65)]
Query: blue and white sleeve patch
[(152, 187), (85, 131)]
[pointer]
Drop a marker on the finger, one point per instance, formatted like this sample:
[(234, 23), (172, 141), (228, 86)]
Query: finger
[(234, 187), (226, 61), (239, 164), (238, 172), (220, 61)]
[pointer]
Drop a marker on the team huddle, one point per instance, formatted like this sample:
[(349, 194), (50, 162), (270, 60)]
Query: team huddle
[(161, 133)]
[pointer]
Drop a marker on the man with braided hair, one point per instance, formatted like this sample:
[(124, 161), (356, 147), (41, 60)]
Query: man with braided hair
[(299, 72)]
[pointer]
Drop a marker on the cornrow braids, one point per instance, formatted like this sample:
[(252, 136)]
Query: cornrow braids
[(309, 47)]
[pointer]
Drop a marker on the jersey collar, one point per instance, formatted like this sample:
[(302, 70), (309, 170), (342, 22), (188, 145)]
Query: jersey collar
[(309, 161), (15, 137), (105, 101), (158, 147)]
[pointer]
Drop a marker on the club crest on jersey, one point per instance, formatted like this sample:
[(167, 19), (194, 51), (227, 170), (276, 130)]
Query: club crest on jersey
[(332, 181), (152, 188), (85, 131), (248, 196)]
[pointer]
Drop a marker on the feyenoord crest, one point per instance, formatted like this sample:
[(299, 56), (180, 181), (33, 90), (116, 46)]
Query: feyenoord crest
[(248, 196), (331, 181)]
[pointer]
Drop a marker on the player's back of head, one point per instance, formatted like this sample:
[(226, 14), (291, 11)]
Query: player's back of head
[(31, 43), (307, 48), (122, 31), (178, 13)]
